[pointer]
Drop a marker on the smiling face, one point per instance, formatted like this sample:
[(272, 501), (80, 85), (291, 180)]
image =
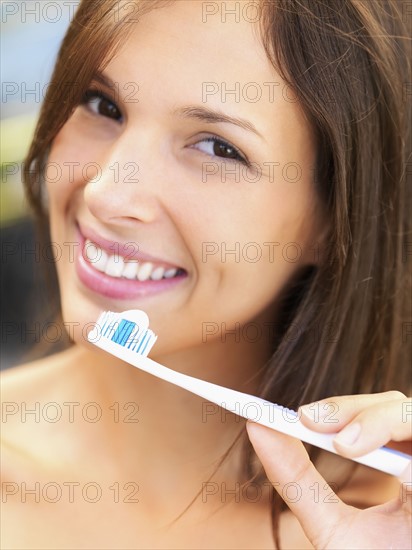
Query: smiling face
[(210, 206)]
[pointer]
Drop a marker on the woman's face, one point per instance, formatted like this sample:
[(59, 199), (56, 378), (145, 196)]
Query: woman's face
[(172, 179)]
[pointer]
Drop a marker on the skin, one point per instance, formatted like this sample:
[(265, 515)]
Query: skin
[(378, 418), (174, 446)]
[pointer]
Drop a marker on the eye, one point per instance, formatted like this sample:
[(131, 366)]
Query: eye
[(97, 103), (217, 147)]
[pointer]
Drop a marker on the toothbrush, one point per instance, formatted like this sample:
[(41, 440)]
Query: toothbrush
[(127, 336)]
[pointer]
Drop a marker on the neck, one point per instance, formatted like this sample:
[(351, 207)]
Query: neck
[(157, 432), (171, 418)]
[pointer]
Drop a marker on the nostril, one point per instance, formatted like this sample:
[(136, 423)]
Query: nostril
[(120, 205)]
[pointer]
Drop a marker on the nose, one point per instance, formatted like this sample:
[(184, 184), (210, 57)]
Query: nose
[(120, 190)]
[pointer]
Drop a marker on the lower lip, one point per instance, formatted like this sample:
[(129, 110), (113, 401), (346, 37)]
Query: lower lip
[(123, 289)]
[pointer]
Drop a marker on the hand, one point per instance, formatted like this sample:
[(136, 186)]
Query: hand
[(364, 423)]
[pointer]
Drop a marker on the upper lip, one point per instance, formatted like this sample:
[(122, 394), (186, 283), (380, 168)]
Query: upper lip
[(130, 250)]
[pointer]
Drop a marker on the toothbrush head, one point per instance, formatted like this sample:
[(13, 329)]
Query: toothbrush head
[(129, 329)]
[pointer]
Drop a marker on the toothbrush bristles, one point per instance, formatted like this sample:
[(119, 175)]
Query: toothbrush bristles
[(124, 332)]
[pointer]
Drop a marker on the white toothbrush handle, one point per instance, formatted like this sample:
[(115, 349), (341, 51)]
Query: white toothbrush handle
[(258, 410), (287, 421)]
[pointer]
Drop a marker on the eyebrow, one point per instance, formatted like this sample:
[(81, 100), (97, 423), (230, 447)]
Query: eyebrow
[(212, 117), (204, 114), (103, 79)]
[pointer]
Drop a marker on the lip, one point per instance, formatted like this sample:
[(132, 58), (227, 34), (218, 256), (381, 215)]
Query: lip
[(117, 288)]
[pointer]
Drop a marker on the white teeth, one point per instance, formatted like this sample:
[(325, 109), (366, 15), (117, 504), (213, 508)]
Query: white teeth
[(145, 270), (158, 273), (92, 253), (130, 270), (101, 261), (170, 273), (114, 266)]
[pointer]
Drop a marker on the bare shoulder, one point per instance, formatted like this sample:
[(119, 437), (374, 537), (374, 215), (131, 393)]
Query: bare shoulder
[(36, 382), (31, 396)]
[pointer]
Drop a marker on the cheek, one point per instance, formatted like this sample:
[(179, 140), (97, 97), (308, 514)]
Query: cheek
[(261, 227), (73, 160), (278, 229), (251, 246)]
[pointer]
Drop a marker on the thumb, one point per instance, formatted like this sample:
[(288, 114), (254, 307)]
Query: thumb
[(295, 478)]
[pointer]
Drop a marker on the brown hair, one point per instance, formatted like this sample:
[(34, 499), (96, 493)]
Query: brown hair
[(344, 330)]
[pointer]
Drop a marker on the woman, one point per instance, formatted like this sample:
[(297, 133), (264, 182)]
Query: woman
[(237, 172)]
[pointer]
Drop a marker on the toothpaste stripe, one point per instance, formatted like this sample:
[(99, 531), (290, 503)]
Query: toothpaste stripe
[(128, 330), (126, 333), (116, 337), (123, 332)]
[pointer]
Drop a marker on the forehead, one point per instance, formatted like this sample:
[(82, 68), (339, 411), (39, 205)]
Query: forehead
[(184, 43), (183, 30), (180, 55)]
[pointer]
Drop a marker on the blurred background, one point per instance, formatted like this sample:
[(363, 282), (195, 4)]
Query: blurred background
[(31, 33)]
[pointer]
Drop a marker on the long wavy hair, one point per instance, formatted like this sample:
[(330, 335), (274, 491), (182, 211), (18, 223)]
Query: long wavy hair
[(348, 63)]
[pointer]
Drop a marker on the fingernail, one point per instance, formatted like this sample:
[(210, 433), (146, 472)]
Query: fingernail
[(254, 426), (349, 435), (254, 429), (315, 412)]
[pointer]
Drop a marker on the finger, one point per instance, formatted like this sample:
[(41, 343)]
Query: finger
[(331, 414), (372, 428), (296, 479)]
